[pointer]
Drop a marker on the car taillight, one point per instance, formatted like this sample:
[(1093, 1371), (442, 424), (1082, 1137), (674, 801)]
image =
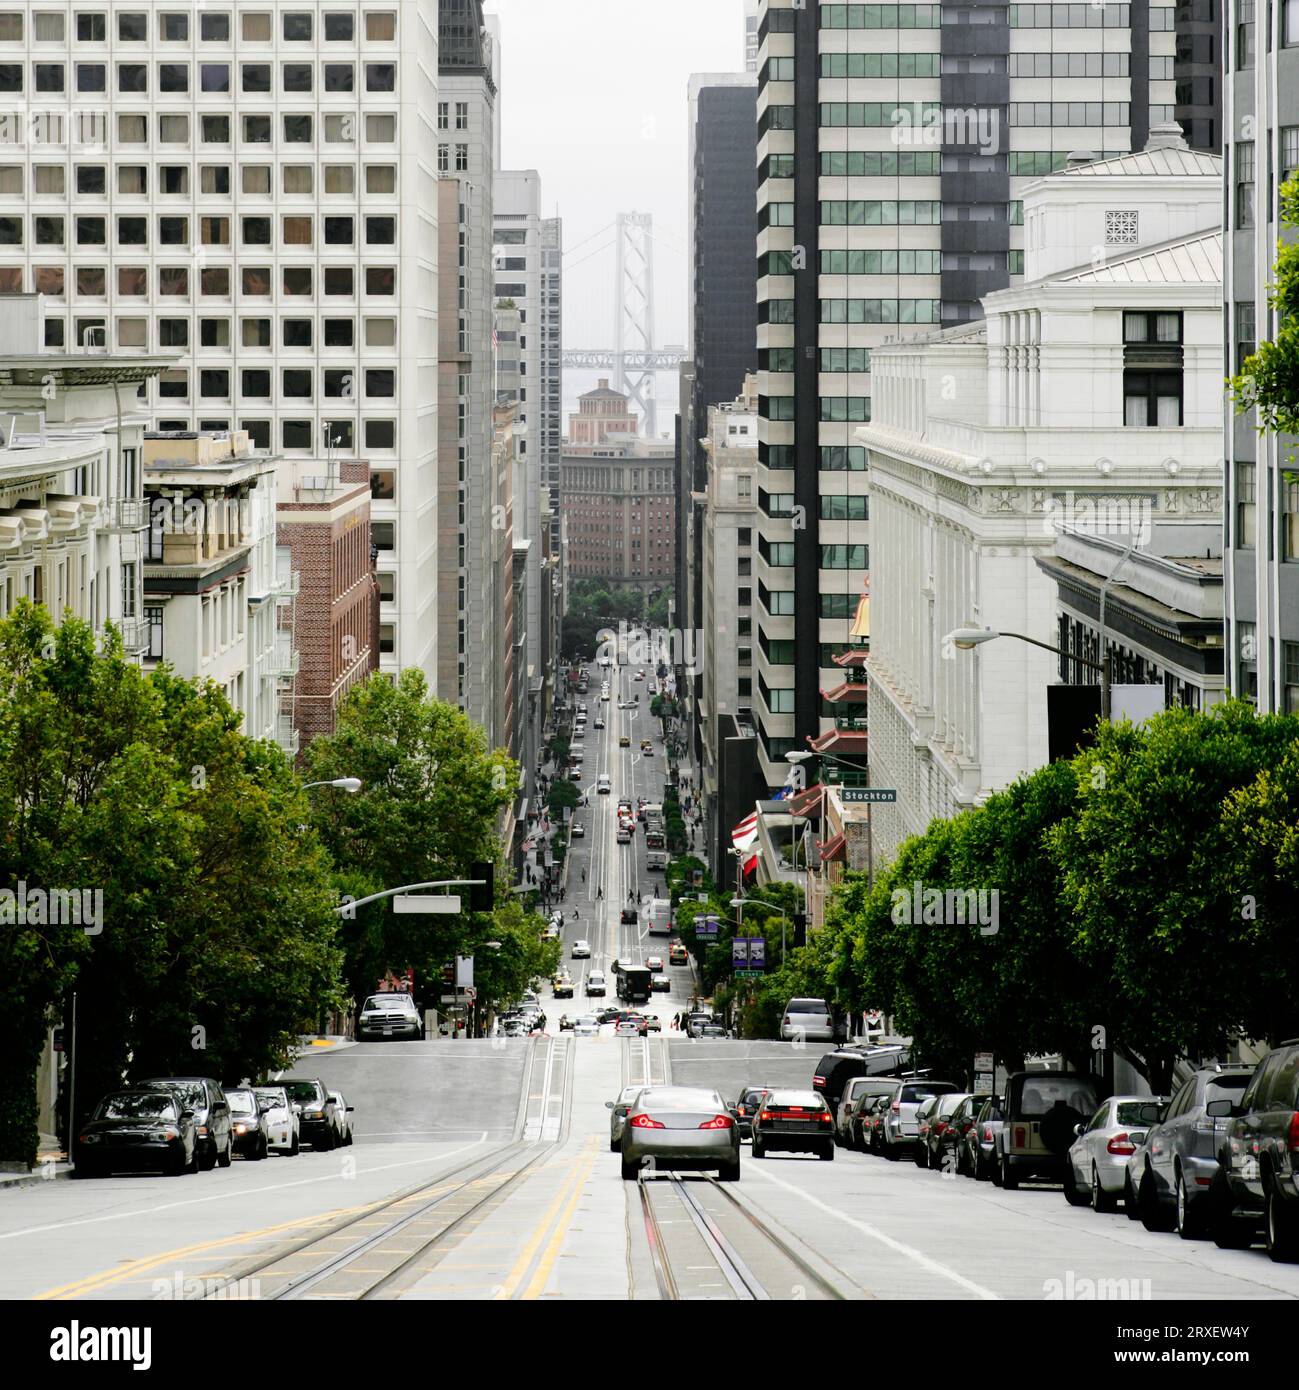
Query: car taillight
[(1021, 1137), (645, 1122), (940, 1126), (765, 1116), (1292, 1140), (1120, 1144), (987, 1134), (896, 1107), (785, 1020), (717, 1122), (816, 1080), (826, 1117)]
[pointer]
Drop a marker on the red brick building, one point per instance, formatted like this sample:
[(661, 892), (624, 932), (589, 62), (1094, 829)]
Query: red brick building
[(323, 521)]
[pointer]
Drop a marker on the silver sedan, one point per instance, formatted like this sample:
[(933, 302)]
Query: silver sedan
[(1098, 1159), (618, 1117), (671, 1127)]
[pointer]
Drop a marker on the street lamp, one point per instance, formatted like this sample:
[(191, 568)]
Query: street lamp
[(351, 785), (967, 638)]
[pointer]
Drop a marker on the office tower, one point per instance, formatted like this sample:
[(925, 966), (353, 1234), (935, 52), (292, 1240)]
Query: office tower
[(1262, 515), (468, 637), (252, 186), (551, 347), (750, 35), (894, 144)]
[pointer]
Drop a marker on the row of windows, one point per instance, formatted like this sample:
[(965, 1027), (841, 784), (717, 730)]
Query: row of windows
[(173, 26), (881, 262), (880, 310), (878, 113), (295, 230), (213, 78), (296, 383), (47, 129), (879, 64), (176, 280), (876, 212), (831, 458), (879, 163), (1071, 65), (1064, 113), (253, 333), (1085, 16), (881, 16), (301, 434), (133, 180)]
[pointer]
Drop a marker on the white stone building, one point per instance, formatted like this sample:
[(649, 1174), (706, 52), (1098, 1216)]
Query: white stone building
[(1087, 403), (253, 186)]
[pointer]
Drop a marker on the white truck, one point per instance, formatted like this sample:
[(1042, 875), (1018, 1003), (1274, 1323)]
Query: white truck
[(658, 917)]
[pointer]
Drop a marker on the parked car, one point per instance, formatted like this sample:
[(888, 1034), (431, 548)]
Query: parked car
[(1097, 1163), (618, 1115), (282, 1123), (1258, 1173), (834, 1070), (250, 1131), (899, 1131), (142, 1128), (562, 985), (678, 1127), (696, 1021), (749, 1100), (319, 1128), (853, 1092), (980, 1140), (949, 1142), (1042, 1109), (712, 1030), (807, 1020), (343, 1116), (578, 830), (868, 1117), (1169, 1177), (933, 1121), (207, 1100), (793, 1122), (389, 1016)]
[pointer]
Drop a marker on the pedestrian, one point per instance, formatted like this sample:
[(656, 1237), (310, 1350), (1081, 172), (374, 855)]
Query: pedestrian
[(599, 892), (583, 875)]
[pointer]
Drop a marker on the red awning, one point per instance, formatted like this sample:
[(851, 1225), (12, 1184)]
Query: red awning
[(845, 742), (849, 693), (806, 803), (858, 657)]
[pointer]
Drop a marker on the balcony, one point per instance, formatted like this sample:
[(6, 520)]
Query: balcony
[(126, 514), (284, 659), (135, 635), (286, 735)]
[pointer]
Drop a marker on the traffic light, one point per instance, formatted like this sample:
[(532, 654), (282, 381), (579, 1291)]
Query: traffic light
[(482, 896)]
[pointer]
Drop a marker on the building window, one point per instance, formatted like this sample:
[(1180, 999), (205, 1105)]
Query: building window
[(1244, 184), (1245, 332), (1289, 518), (153, 619), (1246, 486), (443, 115), (1245, 34), (1290, 676), (1152, 397)]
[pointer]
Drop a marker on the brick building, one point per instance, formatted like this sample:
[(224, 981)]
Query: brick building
[(323, 536)]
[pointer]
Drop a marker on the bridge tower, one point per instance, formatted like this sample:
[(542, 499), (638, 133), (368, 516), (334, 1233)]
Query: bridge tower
[(634, 314)]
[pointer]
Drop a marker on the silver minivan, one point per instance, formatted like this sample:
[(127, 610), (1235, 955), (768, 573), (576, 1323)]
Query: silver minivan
[(807, 1020)]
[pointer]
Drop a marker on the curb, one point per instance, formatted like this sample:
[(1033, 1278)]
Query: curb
[(311, 1047), (36, 1178)]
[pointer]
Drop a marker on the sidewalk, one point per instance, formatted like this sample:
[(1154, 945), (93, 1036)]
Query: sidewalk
[(51, 1163), (331, 1042)]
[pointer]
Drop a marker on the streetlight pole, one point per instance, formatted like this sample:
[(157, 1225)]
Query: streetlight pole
[(967, 638)]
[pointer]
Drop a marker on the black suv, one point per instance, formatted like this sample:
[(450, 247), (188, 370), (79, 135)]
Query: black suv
[(202, 1095), (837, 1068), (1258, 1163)]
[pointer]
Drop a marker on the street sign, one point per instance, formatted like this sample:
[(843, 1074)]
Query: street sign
[(748, 974), (464, 971), (426, 902), (873, 796), (983, 1061), (983, 1083)]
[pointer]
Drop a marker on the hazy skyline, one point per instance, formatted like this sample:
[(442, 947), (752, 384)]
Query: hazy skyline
[(594, 97)]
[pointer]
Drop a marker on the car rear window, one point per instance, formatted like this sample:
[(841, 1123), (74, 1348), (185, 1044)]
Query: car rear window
[(809, 1100), (242, 1102), (1041, 1094), (807, 1006), (923, 1091), (305, 1092), (1225, 1088)]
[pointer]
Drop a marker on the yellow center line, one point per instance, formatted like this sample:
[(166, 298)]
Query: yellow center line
[(540, 1278), (515, 1277), (112, 1276)]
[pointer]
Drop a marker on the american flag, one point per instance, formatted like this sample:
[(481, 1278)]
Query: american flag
[(494, 341)]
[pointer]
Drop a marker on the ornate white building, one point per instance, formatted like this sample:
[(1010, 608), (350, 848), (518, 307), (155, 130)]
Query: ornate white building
[(1084, 411)]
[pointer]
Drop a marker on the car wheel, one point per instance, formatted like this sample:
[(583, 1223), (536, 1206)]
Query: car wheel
[(630, 1169), (827, 1153), (1189, 1217), (1102, 1201), (889, 1151), (614, 1146), (296, 1147), (920, 1156), (1280, 1228), (223, 1158), (1227, 1232), (1153, 1215), (1009, 1178), (193, 1160), (208, 1159), (758, 1150), (1072, 1193), (729, 1172), (1131, 1207)]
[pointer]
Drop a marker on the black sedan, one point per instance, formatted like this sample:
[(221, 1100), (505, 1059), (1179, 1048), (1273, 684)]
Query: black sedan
[(793, 1122), (147, 1129)]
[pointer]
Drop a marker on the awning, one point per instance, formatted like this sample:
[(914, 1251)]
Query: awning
[(843, 741), (849, 693), (807, 803), (857, 657)]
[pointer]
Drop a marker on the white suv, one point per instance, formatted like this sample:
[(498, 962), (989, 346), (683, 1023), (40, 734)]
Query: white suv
[(604, 784), (595, 982), (807, 1020)]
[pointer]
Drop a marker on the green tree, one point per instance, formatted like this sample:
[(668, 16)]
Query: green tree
[(1269, 377), (430, 806), (562, 796)]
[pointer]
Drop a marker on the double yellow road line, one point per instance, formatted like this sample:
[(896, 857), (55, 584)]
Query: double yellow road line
[(553, 1224)]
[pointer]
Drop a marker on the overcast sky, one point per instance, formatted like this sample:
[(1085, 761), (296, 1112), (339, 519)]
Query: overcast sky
[(593, 96)]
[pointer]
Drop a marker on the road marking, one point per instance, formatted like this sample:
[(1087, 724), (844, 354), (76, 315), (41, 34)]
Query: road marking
[(932, 1265), (237, 1192), (540, 1278), (515, 1277)]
